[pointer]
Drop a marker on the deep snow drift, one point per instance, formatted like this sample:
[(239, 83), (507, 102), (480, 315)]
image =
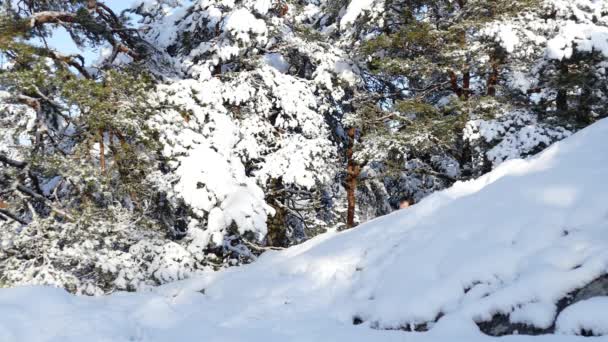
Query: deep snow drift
[(515, 242)]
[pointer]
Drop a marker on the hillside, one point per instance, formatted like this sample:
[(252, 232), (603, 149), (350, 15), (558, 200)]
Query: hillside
[(210, 131), (521, 243)]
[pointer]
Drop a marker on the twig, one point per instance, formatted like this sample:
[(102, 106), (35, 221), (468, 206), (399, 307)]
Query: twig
[(12, 216)]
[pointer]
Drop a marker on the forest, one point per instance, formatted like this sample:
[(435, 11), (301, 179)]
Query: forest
[(190, 139)]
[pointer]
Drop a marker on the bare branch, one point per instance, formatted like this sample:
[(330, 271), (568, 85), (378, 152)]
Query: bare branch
[(75, 61), (11, 162), (45, 200), (30, 101), (51, 17), (12, 216)]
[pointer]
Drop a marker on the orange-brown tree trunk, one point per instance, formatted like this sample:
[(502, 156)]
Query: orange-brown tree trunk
[(454, 83), (352, 173)]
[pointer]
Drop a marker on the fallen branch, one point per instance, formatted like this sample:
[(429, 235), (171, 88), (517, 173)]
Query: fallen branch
[(259, 248), (11, 162), (46, 201), (12, 216)]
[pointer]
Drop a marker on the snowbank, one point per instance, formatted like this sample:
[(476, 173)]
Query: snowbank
[(513, 242), (585, 317)]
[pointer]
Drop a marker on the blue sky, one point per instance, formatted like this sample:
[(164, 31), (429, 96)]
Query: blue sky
[(62, 41)]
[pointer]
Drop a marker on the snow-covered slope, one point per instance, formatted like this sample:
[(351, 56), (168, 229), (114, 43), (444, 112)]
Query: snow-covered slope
[(516, 241)]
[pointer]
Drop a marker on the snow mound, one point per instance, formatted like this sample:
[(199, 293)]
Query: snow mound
[(587, 317), (514, 242)]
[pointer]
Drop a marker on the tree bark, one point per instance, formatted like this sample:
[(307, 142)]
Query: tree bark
[(277, 232), (466, 82), (454, 83), (493, 80), (561, 101), (352, 173), (11, 162), (91, 5), (75, 61), (51, 17)]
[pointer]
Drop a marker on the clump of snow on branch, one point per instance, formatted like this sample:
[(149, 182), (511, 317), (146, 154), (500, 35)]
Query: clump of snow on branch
[(514, 134)]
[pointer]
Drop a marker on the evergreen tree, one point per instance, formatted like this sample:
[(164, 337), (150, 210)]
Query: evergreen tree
[(77, 149)]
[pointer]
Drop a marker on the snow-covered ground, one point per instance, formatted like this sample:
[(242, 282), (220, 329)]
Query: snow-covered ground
[(515, 242)]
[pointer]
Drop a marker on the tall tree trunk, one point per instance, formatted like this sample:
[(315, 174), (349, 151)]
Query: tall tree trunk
[(493, 79), (561, 101), (352, 173), (454, 83), (277, 229), (466, 83)]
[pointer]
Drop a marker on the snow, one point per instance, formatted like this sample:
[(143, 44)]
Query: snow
[(209, 151), (587, 316), (506, 36), (517, 133), (582, 37), (277, 61), (537, 314), (241, 125), (15, 121), (208, 179), (242, 22), (514, 241), (354, 10)]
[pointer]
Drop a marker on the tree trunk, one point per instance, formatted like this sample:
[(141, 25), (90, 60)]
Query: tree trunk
[(277, 230), (493, 79), (466, 82), (454, 83), (352, 173), (561, 101)]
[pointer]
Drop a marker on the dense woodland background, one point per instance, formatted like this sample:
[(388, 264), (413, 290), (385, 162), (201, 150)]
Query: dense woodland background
[(210, 131)]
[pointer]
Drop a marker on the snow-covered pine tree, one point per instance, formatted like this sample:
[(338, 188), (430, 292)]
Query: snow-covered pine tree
[(553, 78), (261, 93), (77, 150), (452, 89), (239, 141)]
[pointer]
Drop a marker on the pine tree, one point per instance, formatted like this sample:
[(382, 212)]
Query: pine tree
[(76, 147)]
